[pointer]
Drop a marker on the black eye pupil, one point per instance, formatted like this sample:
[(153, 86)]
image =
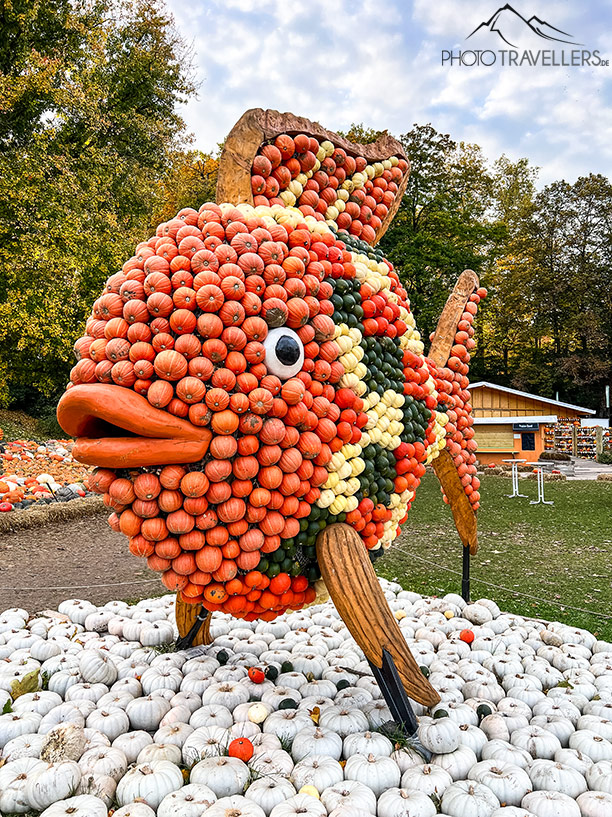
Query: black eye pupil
[(287, 350)]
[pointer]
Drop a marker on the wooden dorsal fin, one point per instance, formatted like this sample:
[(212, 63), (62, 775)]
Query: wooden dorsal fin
[(258, 127)]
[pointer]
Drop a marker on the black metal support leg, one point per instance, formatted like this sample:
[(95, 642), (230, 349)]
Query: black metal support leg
[(465, 579), (187, 641), (394, 693)]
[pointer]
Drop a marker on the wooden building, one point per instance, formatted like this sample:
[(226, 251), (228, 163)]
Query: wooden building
[(509, 424)]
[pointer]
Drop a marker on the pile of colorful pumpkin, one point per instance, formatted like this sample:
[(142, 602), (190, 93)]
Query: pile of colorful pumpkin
[(452, 385), (38, 473), (285, 719)]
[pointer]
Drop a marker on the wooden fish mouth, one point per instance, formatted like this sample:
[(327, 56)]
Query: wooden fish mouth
[(115, 427)]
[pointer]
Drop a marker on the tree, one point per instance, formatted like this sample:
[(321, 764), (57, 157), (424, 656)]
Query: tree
[(441, 226), (90, 93)]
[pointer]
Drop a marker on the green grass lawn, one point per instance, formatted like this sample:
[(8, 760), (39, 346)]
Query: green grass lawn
[(560, 553)]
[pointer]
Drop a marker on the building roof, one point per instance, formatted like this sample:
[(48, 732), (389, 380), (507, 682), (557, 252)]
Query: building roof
[(548, 419), (549, 400)]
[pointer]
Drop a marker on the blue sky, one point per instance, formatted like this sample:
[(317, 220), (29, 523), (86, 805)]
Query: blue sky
[(379, 62)]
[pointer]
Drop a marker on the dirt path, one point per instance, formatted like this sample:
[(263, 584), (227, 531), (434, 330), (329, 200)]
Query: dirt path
[(69, 555)]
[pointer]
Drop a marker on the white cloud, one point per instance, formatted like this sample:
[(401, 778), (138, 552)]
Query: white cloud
[(361, 60)]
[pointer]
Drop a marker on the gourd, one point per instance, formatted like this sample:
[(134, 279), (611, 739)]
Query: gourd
[(190, 801), (225, 776), (83, 805), (507, 782), (50, 782), (599, 776), (111, 721), (401, 803), (551, 804), (160, 751), (468, 798), (14, 724), (149, 781), (28, 745)]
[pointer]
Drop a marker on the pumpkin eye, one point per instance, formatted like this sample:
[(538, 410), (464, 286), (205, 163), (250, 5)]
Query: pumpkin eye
[(284, 353)]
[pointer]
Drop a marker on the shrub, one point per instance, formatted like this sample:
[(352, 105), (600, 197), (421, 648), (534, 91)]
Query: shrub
[(605, 458)]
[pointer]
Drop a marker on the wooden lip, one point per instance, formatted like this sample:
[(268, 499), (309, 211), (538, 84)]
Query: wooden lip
[(97, 413), (257, 126)]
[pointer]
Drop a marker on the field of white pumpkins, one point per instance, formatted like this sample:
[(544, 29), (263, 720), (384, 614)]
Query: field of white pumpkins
[(101, 716)]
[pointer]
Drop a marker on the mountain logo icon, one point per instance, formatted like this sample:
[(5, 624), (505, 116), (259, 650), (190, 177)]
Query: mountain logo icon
[(518, 32)]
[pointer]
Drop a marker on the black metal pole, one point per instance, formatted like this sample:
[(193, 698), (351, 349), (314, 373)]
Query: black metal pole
[(465, 578)]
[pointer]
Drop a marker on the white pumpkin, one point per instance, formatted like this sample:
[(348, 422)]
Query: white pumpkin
[(225, 776), (101, 786), (206, 741), (149, 781), (225, 693), (467, 798), (316, 740), (401, 803), (350, 794), (268, 792), (553, 776), (83, 805), (591, 744), (273, 762), (378, 773), (104, 761), (211, 715), (235, 806), (318, 771), (14, 777), (472, 737), (132, 743), (595, 804), (111, 721), (97, 668), (537, 741), (343, 720), (427, 778), (50, 782), (146, 713), (14, 724), (300, 804), (599, 776), (499, 750), (40, 702), (190, 801), (286, 723), (457, 763), (508, 783), (28, 745), (176, 733), (366, 743), (160, 751), (440, 736), (551, 804)]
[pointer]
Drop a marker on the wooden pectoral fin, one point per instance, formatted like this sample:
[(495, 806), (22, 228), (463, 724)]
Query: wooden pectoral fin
[(193, 622), (461, 507), (357, 594)]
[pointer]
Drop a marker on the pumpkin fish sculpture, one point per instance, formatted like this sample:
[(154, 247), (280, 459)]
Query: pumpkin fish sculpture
[(254, 375)]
